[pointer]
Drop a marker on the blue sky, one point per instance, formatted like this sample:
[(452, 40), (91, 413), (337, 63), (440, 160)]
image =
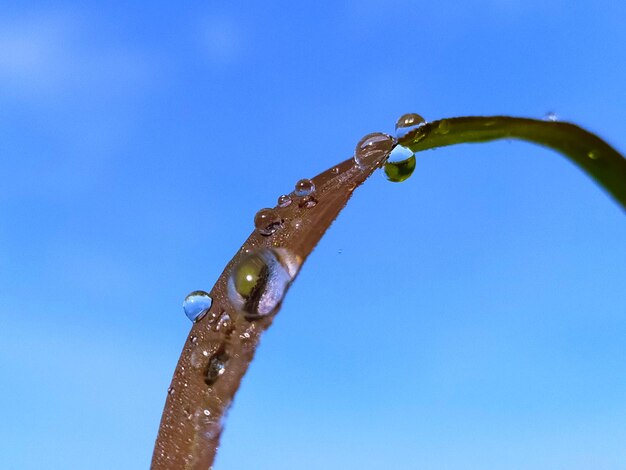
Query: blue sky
[(472, 317)]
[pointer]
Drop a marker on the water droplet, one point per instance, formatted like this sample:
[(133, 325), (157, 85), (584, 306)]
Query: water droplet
[(443, 127), (171, 390), (373, 148), (193, 339), (197, 304), (593, 154), (308, 202), (304, 187), (551, 116), (267, 221), (257, 284), (224, 323), (284, 201), (400, 164), (216, 367), (335, 170), (408, 123)]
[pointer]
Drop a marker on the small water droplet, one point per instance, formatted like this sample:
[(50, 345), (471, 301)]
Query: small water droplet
[(551, 116), (171, 390), (335, 171), (307, 202), (267, 221), (258, 282), (372, 148), (284, 201), (304, 187), (593, 154), (443, 127), (296, 224), (197, 304), (224, 323), (400, 164), (216, 367), (193, 339), (408, 123)]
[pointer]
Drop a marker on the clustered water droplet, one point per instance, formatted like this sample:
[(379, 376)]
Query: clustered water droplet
[(407, 123), (307, 202), (400, 164), (258, 282), (304, 187), (216, 367), (372, 149), (284, 201), (197, 304), (267, 221)]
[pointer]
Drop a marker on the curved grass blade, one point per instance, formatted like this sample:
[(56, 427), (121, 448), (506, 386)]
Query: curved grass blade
[(597, 158), (194, 410)]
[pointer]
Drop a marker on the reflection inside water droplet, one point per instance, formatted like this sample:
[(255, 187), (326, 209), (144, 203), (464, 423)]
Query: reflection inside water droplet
[(400, 164), (216, 367), (551, 116), (197, 304), (372, 149), (257, 284)]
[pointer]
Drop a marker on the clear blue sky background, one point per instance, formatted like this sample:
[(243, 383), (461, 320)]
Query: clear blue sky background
[(473, 317)]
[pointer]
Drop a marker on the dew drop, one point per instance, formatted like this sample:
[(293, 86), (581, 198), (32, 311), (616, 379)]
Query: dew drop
[(258, 282), (307, 202), (551, 116), (284, 201), (408, 123), (267, 221), (593, 154), (224, 322), (373, 148), (443, 127), (193, 339), (197, 304), (216, 367), (400, 164), (335, 171), (170, 391), (304, 187)]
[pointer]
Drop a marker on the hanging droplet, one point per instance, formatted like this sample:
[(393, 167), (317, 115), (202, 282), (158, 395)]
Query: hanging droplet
[(267, 221), (372, 149), (551, 116), (304, 187), (257, 284), (197, 304), (408, 123), (216, 367), (400, 164), (284, 201)]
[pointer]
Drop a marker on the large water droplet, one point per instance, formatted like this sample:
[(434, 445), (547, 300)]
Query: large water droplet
[(267, 221), (400, 164), (197, 304), (304, 187), (216, 367), (408, 123), (257, 284), (373, 148)]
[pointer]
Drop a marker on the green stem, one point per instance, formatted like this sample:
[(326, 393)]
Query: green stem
[(597, 158)]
